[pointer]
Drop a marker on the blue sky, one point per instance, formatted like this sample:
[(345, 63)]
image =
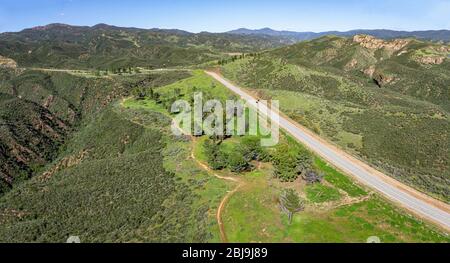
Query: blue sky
[(224, 15)]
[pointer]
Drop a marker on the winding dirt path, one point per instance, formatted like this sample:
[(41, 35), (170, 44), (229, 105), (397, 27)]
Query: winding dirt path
[(220, 209)]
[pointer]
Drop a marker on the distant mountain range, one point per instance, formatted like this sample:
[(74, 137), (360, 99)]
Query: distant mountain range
[(433, 35), (106, 46)]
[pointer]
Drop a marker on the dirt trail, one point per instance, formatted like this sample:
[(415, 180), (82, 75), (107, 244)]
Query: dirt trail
[(225, 199), (205, 167), (220, 209)]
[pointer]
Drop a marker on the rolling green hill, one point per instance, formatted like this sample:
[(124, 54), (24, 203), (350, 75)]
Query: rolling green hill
[(103, 46), (385, 101), (110, 184), (39, 111)]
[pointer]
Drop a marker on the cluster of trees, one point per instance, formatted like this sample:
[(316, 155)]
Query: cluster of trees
[(125, 70), (166, 101), (216, 158), (239, 159), (237, 57), (291, 163), (117, 71), (141, 93)]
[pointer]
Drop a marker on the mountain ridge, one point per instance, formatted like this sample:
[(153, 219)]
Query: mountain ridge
[(105, 46), (434, 35)]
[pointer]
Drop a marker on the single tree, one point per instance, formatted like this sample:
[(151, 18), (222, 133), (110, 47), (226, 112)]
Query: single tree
[(291, 203), (177, 92)]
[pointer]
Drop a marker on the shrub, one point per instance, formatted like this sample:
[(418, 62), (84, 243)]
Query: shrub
[(238, 163), (215, 157), (290, 163), (252, 150), (312, 177)]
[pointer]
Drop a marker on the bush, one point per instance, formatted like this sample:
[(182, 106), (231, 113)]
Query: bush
[(238, 160), (238, 163), (290, 163), (252, 150), (215, 157), (312, 177)]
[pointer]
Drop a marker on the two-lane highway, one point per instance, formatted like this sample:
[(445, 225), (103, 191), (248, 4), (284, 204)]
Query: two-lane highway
[(416, 202)]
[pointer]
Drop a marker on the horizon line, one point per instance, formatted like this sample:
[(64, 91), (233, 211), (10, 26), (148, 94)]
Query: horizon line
[(216, 32)]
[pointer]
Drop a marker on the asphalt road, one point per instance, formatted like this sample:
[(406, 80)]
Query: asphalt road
[(421, 205)]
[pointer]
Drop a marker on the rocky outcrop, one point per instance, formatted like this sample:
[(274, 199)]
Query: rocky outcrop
[(382, 79), (7, 63), (66, 162), (351, 65), (371, 42), (432, 55), (444, 49), (370, 71), (379, 78), (431, 60)]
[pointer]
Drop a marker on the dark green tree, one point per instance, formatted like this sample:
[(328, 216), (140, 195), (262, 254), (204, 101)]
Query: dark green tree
[(304, 163), (215, 157), (289, 163), (291, 203), (157, 97), (238, 163)]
